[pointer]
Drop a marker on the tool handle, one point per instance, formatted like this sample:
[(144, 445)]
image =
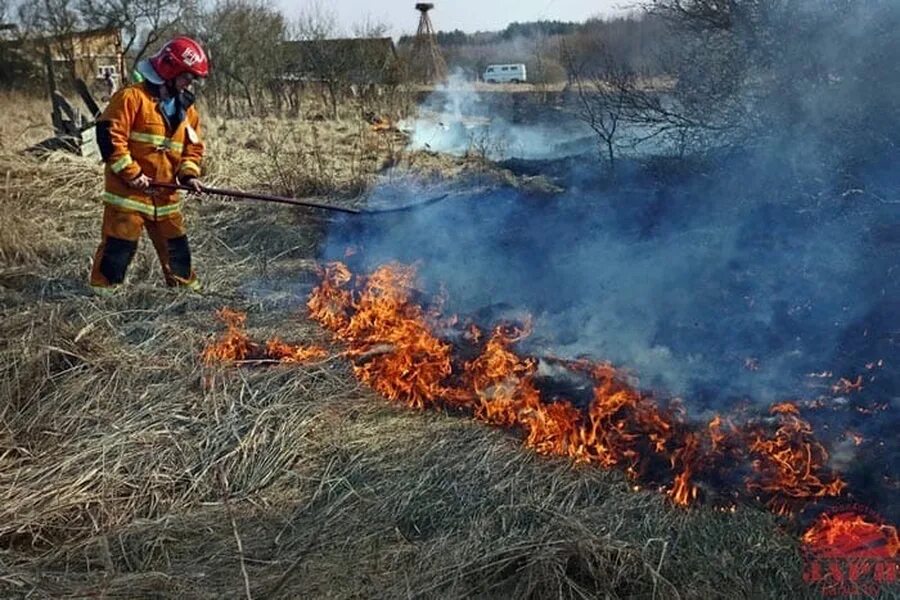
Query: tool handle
[(298, 202), (257, 196)]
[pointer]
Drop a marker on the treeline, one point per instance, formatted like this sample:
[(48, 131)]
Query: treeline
[(806, 85), (514, 30), (261, 60), (253, 67), (548, 47)]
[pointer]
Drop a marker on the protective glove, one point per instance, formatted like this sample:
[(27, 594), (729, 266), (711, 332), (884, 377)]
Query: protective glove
[(193, 182), (141, 182)]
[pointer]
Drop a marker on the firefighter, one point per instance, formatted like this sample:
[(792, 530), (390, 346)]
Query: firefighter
[(149, 133)]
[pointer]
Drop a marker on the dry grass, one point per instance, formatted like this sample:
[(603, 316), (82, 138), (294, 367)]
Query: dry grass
[(127, 470)]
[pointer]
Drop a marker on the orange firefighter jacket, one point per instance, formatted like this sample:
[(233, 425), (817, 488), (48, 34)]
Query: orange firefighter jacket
[(140, 140)]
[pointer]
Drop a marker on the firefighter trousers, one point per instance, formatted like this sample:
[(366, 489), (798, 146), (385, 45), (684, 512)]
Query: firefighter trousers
[(121, 232)]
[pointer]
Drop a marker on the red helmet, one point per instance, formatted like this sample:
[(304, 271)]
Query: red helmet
[(180, 55)]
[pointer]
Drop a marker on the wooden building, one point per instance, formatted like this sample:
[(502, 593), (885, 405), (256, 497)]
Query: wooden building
[(95, 56)]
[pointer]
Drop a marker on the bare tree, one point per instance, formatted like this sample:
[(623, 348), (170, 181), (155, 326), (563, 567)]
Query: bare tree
[(729, 60), (337, 64), (245, 39), (586, 53), (16, 70), (749, 74), (603, 101), (50, 17), (697, 15), (369, 27), (325, 61), (52, 22), (143, 23), (543, 66), (702, 107)]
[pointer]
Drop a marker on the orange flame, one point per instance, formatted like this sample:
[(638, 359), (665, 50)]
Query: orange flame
[(392, 343), (851, 535), (330, 303), (235, 345), (501, 380), (845, 386), (790, 464), (716, 436), (278, 350), (684, 492), (620, 427), (398, 355)]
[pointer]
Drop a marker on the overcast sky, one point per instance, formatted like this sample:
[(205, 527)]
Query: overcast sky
[(468, 15)]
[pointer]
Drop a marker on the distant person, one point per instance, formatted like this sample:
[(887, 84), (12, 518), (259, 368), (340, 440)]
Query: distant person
[(110, 82), (150, 133)]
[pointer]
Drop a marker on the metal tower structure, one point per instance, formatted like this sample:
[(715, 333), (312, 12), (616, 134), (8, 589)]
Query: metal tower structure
[(426, 62)]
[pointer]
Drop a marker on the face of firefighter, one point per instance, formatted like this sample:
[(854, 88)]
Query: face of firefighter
[(183, 82)]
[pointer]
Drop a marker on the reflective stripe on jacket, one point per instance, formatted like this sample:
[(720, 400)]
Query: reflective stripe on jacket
[(139, 143)]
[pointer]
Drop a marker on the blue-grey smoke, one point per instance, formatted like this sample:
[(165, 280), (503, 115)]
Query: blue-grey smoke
[(457, 120), (693, 289), (767, 273)]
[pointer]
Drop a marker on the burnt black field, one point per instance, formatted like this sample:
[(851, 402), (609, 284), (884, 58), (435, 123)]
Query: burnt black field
[(731, 283), (758, 264)]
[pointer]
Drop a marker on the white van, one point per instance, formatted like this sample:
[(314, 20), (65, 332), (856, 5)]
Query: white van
[(514, 73)]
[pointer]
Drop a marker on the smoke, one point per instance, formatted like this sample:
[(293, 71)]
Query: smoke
[(689, 291), (761, 275), (457, 120)]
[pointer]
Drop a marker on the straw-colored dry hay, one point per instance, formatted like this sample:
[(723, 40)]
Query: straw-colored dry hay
[(128, 470)]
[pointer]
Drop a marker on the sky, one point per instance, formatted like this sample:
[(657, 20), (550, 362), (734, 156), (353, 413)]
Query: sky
[(467, 15)]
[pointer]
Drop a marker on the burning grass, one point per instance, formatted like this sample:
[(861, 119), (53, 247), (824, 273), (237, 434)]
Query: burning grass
[(236, 347), (129, 468), (395, 351)]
